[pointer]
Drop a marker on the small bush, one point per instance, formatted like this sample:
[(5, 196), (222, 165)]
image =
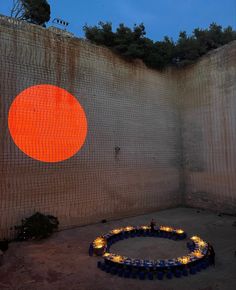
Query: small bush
[(36, 227)]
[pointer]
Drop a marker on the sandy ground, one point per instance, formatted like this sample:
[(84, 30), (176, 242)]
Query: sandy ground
[(62, 262)]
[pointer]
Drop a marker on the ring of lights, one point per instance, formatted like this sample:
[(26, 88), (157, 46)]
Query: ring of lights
[(198, 257)]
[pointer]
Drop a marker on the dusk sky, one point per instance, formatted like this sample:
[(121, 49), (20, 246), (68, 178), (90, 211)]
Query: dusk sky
[(160, 17)]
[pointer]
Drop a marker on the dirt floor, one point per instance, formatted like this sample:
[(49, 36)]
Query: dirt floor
[(62, 262)]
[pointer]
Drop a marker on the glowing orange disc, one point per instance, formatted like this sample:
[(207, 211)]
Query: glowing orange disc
[(47, 123)]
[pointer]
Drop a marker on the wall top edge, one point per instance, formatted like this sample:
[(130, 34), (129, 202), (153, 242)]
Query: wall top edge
[(62, 35)]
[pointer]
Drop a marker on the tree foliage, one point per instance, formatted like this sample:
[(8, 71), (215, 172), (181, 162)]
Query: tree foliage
[(33, 11), (133, 44)]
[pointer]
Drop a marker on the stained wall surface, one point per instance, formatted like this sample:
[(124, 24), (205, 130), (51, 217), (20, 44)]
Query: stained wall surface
[(127, 106), (208, 113), (175, 130)]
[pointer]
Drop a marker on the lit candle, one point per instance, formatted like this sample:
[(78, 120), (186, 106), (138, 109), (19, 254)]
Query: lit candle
[(129, 228), (145, 227), (106, 254), (195, 238), (117, 259), (197, 254), (116, 231), (166, 229), (184, 259)]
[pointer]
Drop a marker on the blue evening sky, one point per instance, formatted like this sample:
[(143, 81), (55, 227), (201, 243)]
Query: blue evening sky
[(161, 17)]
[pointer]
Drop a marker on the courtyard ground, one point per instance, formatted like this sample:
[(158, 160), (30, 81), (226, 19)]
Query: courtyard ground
[(62, 262)]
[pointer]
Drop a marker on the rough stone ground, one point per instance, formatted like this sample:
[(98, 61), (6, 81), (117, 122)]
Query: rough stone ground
[(62, 262)]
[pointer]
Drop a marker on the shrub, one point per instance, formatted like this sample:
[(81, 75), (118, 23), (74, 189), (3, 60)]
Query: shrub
[(132, 43), (38, 226)]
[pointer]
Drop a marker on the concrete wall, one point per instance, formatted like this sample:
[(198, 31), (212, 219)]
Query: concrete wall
[(126, 105), (175, 130), (208, 112)]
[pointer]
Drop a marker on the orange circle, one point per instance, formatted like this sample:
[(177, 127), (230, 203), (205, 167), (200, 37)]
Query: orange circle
[(47, 123)]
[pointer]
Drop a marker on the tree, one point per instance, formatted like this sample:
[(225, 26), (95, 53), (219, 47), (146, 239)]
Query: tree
[(133, 44), (130, 43), (228, 35), (187, 49), (33, 11), (214, 36), (101, 34), (202, 39)]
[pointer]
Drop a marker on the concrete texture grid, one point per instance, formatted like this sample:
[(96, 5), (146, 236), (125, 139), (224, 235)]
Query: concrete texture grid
[(62, 262), (175, 130), (126, 106), (208, 116)]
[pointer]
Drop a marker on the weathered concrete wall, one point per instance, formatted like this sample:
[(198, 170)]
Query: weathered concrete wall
[(208, 96), (175, 130), (126, 105)]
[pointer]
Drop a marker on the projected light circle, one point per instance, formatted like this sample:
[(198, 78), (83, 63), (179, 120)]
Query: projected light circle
[(47, 123)]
